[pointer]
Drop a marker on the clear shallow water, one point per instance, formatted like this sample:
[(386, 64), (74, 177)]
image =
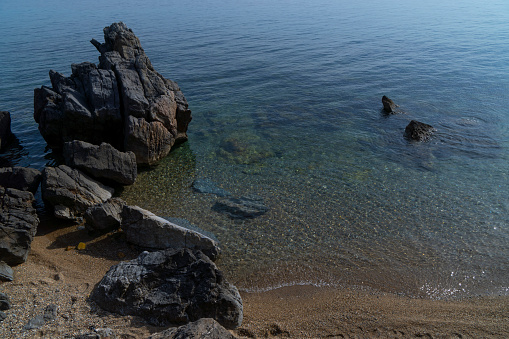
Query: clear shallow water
[(298, 86)]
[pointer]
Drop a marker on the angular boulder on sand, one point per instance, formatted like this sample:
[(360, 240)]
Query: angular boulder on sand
[(21, 178), (170, 287), (203, 328), (71, 191), (106, 216), (122, 101), (18, 225), (418, 131), (102, 162), (145, 229)]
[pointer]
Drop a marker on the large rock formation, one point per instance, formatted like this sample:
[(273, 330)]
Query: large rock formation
[(5, 129), (71, 192), (102, 162), (122, 101), (18, 225), (145, 229), (20, 178), (169, 287)]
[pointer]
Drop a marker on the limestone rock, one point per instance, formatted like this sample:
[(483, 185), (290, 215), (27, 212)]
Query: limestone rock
[(169, 287), (102, 162), (205, 328), (418, 131), (106, 216), (71, 191), (145, 229), (18, 225), (21, 178)]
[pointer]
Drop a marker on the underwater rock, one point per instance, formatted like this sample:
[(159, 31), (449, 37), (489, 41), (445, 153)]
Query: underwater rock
[(418, 131), (208, 187), (246, 207)]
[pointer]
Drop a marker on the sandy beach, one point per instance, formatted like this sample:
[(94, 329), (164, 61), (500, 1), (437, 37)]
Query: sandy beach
[(57, 273)]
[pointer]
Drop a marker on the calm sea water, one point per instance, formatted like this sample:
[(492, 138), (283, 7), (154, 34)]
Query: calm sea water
[(297, 86)]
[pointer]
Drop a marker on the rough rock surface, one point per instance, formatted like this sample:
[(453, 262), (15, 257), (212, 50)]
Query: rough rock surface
[(5, 129), (6, 272), (71, 192), (101, 162), (145, 229), (418, 131), (246, 207), (106, 216), (50, 312), (21, 178), (389, 105), (5, 303), (18, 225), (205, 328), (170, 287), (122, 101)]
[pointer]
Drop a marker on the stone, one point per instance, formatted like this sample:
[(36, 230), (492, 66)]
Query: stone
[(50, 313), (2, 316), (122, 101), (418, 131), (170, 287), (21, 178), (389, 105), (5, 303), (208, 187), (205, 328), (71, 191), (5, 129), (6, 272), (145, 229), (246, 207), (18, 225), (105, 217), (99, 333), (103, 162)]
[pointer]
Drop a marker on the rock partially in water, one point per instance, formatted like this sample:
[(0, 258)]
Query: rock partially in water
[(20, 178), (103, 162), (246, 207), (122, 101), (106, 216), (208, 187), (71, 191), (205, 328), (389, 105), (18, 225), (145, 229), (418, 131), (5, 129), (170, 287)]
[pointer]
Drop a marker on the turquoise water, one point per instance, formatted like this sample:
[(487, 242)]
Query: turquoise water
[(297, 86)]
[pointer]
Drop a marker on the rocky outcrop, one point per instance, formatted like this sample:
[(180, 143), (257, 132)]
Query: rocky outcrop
[(122, 101), (106, 216), (21, 178), (6, 272), (247, 207), (418, 131), (103, 162), (170, 287), (5, 129), (18, 225), (145, 229), (206, 328), (71, 191), (389, 105)]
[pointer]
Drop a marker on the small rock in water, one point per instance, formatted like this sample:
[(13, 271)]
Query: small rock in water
[(389, 105), (208, 187), (418, 131), (246, 207), (6, 273)]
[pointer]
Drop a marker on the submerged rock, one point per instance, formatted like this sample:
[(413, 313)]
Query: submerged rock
[(246, 207), (208, 187), (205, 328), (122, 101), (418, 131), (389, 105), (170, 287)]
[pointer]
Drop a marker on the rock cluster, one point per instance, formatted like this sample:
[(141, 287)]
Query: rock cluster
[(122, 101)]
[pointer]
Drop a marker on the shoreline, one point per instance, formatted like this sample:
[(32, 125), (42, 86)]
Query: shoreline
[(65, 278)]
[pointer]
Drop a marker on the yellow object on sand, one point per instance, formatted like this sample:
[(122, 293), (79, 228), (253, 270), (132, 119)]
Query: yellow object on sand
[(81, 246)]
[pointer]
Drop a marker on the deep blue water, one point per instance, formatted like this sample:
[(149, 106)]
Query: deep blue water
[(298, 86)]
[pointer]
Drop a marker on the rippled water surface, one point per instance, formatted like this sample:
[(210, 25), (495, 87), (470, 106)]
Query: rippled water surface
[(286, 101)]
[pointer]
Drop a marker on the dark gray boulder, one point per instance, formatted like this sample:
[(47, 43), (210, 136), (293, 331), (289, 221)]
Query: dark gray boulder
[(106, 216), (21, 178), (170, 287), (5, 129), (5, 303), (123, 101), (102, 162), (389, 105), (71, 192), (145, 229), (18, 225), (205, 328), (418, 131), (6, 272), (247, 207)]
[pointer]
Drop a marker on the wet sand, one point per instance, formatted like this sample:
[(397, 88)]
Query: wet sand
[(54, 274)]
